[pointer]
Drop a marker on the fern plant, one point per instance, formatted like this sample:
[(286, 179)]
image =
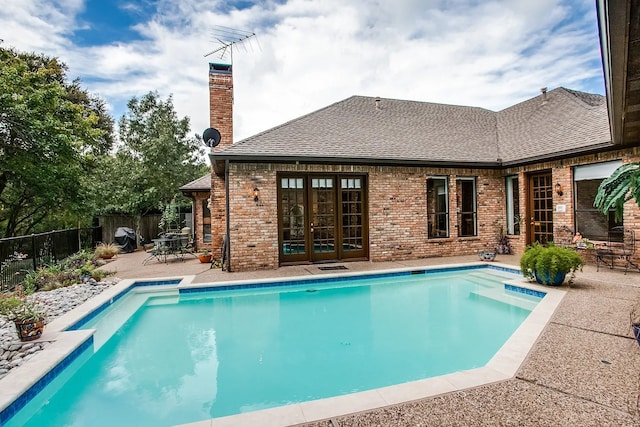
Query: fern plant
[(544, 262), (622, 186)]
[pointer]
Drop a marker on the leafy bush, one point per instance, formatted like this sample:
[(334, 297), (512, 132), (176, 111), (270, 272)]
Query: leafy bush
[(75, 269), (546, 261)]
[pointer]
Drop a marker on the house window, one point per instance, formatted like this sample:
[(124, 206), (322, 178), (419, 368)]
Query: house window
[(590, 222), (513, 205), (437, 207), (466, 209), (206, 221)]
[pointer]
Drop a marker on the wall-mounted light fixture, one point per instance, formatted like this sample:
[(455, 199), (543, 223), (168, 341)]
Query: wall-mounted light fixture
[(256, 195), (559, 189)]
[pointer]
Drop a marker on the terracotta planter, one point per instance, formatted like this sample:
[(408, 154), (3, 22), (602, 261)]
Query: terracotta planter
[(29, 330), (107, 256), (204, 258)]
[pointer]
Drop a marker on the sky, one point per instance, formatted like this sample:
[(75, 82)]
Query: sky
[(307, 54)]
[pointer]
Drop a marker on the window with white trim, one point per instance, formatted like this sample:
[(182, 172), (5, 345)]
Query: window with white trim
[(513, 205), (589, 221)]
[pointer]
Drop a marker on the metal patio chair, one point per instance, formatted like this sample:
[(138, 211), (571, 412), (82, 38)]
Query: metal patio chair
[(621, 246)]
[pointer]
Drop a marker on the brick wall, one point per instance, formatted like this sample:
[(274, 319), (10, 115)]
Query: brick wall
[(397, 208)]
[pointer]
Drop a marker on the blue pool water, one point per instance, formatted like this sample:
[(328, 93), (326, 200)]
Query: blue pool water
[(189, 357)]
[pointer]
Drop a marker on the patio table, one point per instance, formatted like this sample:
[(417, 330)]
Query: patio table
[(171, 245)]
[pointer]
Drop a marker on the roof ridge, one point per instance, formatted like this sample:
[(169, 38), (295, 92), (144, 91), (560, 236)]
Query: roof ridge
[(579, 96)]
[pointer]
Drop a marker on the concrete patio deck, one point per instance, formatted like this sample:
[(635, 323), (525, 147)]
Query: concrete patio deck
[(584, 370)]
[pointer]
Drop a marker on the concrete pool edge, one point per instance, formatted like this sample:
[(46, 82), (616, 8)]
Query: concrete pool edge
[(498, 369)]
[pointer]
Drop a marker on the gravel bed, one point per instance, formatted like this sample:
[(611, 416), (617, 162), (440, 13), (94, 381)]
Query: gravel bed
[(57, 302)]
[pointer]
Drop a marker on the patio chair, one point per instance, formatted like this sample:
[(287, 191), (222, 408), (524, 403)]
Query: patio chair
[(620, 246), (159, 252)]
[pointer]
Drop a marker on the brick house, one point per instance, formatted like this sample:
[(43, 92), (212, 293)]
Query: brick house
[(383, 179)]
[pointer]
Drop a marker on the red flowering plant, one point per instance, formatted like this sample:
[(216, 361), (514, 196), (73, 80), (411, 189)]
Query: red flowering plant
[(17, 307)]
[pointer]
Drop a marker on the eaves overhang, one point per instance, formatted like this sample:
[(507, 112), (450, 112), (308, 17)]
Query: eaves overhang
[(218, 160), (619, 30), (561, 155)]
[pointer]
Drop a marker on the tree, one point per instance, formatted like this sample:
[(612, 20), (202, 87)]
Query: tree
[(622, 186), (155, 158), (51, 132)]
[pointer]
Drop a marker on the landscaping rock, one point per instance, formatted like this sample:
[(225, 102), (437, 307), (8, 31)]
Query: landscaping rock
[(56, 303)]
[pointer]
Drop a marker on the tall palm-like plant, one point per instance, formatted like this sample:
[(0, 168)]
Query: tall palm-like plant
[(622, 186)]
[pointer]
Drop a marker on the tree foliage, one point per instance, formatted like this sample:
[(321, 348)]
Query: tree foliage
[(51, 133), (155, 157), (623, 185)]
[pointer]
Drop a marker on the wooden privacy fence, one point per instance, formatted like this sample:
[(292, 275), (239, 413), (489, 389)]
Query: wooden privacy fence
[(21, 255), (110, 223), (149, 225)]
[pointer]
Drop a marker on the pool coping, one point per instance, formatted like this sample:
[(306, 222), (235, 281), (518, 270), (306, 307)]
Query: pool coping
[(501, 367)]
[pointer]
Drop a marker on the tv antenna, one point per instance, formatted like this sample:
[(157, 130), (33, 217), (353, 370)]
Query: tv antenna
[(227, 38)]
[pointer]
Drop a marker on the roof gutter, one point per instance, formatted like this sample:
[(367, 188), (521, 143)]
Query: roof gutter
[(241, 158)]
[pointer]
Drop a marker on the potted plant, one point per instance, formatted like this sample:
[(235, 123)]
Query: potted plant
[(205, 256), (106, 250), (487, 254), (25, 313), (503, 246), (549, 264)]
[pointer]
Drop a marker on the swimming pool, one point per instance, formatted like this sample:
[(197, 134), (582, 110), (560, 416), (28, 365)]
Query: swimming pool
[(371, 335)]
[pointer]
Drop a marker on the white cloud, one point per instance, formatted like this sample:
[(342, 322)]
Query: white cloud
[(309, 54)]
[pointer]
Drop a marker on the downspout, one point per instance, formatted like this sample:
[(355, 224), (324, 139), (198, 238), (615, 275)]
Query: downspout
[(226, 189)]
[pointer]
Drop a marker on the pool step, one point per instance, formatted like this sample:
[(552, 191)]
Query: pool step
[(126, 307), (496, 274), (484, 281), (507, 297)]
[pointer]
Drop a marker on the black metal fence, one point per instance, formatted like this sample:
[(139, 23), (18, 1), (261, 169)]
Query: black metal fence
[(21, 255)]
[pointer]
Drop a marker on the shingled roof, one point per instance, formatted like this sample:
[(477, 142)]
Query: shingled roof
[(359, 130), (201, 184)]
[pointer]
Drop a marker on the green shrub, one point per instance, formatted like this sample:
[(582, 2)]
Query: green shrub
[(74, 269), (548, 260)]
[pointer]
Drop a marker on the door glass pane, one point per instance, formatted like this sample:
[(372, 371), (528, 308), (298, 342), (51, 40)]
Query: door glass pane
[(542, 194), (323, 221), (292, 214), (352, 215)]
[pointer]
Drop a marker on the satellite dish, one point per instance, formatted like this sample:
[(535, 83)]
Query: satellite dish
[(211, 137)]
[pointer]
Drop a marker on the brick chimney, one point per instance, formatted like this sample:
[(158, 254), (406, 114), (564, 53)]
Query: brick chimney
[(221, 102), (221, 118)]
